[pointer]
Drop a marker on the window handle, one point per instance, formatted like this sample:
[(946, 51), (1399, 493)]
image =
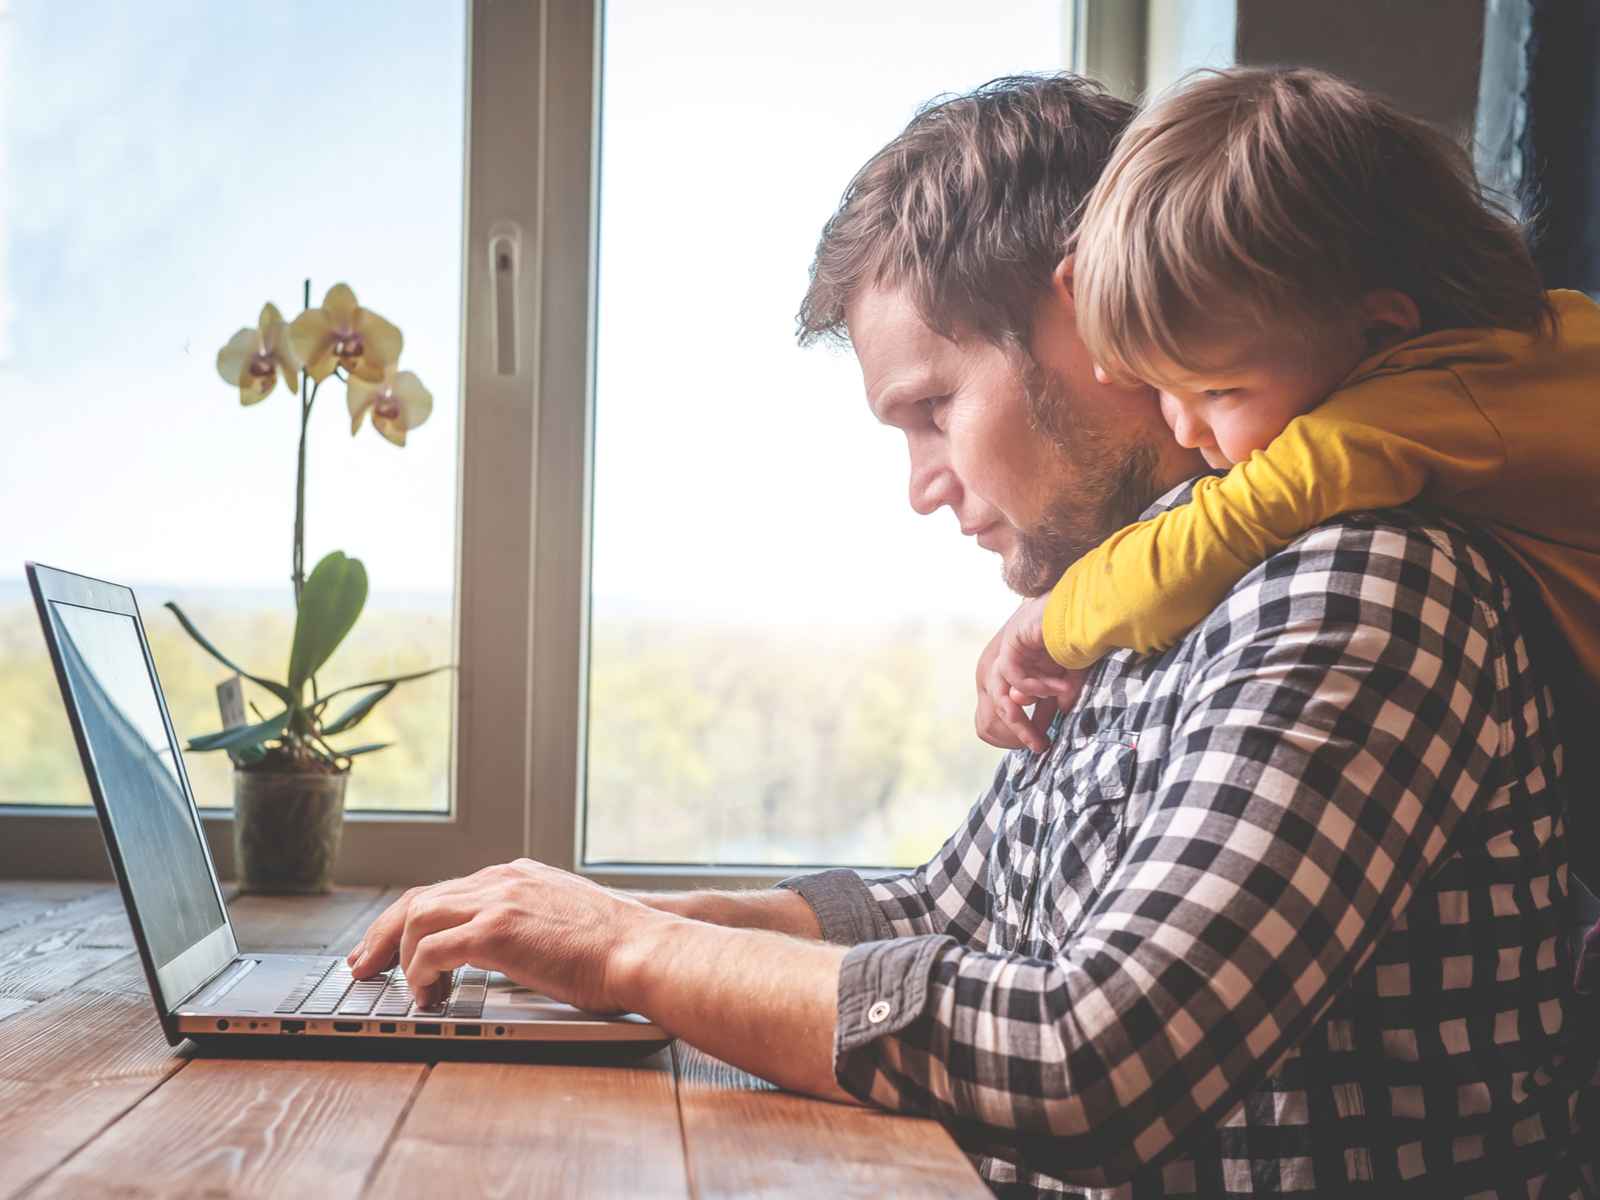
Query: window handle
[(504, 242)]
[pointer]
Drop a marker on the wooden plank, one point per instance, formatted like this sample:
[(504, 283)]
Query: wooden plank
[(68, 1068), (247, 1128), (743, 1137), (58, 948), (302, 923), (87, 1056), (22, 901), (519, 1130)]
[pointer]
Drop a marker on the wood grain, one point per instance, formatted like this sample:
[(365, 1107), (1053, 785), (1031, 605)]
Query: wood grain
[(69, 1068), (744, 1138), (514, 1130), (62, 945), (253, 1128), (22, 901), (302, 923)]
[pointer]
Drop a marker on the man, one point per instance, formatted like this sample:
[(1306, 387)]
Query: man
[(1279, 910)]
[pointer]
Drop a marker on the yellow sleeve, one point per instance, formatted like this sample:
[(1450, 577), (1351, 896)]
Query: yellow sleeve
[(1384, 442)]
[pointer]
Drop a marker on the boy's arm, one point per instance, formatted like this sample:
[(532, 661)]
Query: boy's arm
[(1379, 444)]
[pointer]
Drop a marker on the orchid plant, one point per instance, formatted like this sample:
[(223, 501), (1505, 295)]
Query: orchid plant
[(355, 345)]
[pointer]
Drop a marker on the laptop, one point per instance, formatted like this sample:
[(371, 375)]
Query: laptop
[(203, 985)]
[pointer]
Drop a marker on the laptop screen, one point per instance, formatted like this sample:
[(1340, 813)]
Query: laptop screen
[(149, 809)]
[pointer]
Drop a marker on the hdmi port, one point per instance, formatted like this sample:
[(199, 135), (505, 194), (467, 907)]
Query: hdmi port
[(469, 1030), (427, 1029), (347, 1026)]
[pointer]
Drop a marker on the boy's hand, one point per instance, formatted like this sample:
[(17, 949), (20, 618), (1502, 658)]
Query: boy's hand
[(1016, 670)]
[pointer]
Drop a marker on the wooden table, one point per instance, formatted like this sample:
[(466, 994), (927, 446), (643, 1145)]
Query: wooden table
[(94, 1102)]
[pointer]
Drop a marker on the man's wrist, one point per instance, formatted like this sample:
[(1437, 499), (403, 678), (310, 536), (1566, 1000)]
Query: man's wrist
[(642, 944)]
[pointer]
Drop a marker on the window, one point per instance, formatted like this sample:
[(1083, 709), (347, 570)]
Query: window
[(781, 651), (147, 212), (157, 192)]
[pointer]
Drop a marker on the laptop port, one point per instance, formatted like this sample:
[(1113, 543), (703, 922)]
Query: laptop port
[(499, 1031), (223, 1024), (291, 1026), (469, 1030), (385, 1026), (428, 1029), (347, 1026)]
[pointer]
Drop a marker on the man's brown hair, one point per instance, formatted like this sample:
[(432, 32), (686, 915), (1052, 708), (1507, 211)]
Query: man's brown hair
[(1254, 201), (968, 209)]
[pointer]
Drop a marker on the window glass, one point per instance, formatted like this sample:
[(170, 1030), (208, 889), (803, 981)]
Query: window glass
[(165, 169), (782, 653)]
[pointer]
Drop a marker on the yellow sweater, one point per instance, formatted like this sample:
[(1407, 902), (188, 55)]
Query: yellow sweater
[(1500, 427)]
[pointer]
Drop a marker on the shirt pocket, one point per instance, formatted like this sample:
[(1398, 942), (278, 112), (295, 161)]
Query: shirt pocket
[(1085, 839)]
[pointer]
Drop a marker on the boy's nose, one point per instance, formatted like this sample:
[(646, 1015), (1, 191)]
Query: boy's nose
[(1185, 429)]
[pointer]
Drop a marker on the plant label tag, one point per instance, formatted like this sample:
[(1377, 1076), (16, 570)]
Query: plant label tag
[(230, 699)]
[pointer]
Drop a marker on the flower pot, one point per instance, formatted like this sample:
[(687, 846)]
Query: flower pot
[(286, 827)]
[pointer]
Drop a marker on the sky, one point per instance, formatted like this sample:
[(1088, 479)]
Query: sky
[(167, 167)]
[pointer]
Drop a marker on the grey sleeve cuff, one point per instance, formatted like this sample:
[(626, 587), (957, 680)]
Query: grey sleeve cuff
[(845, 908), (883, 987)]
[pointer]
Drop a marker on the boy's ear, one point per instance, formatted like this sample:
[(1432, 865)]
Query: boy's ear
[(1387, 317), (1061, 280)]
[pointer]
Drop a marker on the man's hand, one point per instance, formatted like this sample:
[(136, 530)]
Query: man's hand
[(1016, 670), (546, 929)]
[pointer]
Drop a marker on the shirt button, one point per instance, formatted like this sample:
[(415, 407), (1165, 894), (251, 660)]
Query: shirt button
[(879, 1012)]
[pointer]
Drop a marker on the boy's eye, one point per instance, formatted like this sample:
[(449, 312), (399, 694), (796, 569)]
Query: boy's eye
[(1219, 393)]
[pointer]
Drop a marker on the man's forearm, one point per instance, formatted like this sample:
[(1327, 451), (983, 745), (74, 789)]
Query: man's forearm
[(772, 909), (759, 1000)]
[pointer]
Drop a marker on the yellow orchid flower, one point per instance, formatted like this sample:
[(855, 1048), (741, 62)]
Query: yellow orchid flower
[(342, 333), (253, 358), (398, 403)]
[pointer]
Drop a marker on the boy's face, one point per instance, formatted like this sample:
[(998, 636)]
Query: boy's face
[(1226, 413)]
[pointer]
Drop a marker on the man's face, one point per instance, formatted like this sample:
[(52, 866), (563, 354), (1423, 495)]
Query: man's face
[(1037, 460)]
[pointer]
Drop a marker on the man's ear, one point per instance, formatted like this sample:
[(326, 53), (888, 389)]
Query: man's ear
[(1061, 281), (1387, 317)]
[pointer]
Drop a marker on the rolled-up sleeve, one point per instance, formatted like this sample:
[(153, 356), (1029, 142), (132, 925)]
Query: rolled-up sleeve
[(946, 895), (1326, 745)]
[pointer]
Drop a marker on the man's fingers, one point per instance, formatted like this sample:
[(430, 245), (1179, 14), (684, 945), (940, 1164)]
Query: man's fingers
[(381, 942), (431, 912), (440, 952)]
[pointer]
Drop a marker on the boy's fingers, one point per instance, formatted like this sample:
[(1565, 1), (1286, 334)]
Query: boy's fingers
[(1017, 721), (1043, 713)]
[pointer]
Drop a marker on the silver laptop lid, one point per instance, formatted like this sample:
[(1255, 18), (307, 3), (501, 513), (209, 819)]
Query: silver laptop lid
[(136, 775)]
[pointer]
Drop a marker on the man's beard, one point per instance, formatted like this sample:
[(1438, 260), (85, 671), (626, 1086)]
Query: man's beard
[(1108, 481)]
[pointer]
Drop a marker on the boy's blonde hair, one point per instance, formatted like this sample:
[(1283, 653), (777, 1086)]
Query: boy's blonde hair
[(1263, 202)]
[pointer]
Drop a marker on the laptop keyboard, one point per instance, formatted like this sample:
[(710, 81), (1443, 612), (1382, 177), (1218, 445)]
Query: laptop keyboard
[(329, 988)]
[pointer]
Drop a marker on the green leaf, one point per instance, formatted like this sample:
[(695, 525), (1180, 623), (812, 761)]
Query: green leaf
[(367, 749), (246, 756), (357, 712), (356, 687), (241, 737), (330, 602), (277, 689)]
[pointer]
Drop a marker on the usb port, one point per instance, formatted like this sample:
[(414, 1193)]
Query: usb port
[(385, 1026), (427, 1029), (347, 1026), (469, 1030)]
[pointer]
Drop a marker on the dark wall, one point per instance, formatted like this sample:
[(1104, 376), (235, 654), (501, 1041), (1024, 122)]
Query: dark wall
[(1422, 54), (1560, 163)]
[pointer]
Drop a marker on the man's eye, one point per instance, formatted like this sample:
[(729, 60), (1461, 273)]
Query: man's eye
[(934, 407)]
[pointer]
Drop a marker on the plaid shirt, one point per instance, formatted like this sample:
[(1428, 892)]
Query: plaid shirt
[(1282, 910)]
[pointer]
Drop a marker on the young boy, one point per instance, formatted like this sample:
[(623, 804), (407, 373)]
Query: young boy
[(1333, 314)]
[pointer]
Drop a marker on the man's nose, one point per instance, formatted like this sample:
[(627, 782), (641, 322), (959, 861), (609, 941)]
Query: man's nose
[(933, 485)]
